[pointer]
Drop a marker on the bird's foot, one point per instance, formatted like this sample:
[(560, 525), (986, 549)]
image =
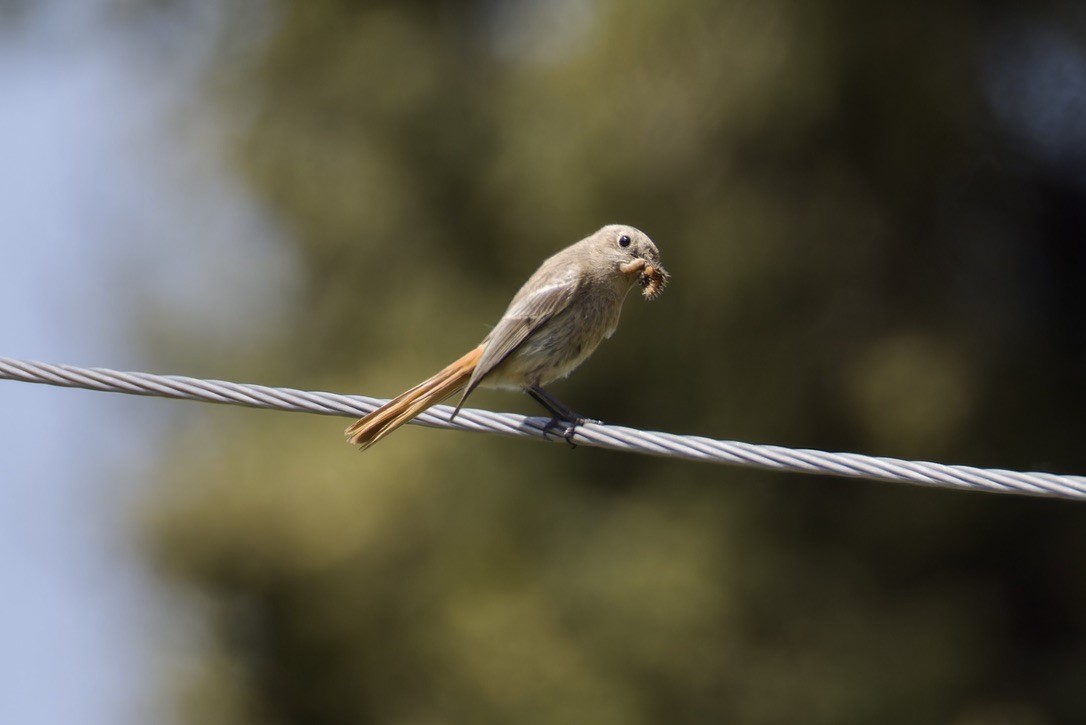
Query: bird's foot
[(566, 428)]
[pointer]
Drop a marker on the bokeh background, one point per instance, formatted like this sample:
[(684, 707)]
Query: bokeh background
[(875, 219)]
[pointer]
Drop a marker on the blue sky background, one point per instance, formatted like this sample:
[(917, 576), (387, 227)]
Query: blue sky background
[(113, 203)]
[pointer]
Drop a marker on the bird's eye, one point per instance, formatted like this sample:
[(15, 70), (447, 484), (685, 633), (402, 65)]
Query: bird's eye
[(624, 241)]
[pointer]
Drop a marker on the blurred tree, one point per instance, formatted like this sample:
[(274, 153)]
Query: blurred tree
[(864, 258)]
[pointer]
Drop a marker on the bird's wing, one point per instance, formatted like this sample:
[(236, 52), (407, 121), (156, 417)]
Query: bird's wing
[(526, 314)]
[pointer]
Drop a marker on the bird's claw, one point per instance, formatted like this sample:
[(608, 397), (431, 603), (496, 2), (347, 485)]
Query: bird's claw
[(568, 427)]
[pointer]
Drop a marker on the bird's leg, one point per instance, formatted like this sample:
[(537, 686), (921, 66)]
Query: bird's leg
[(560, 412), (554, 406)]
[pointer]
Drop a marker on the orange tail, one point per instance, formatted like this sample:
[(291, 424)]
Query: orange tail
[(366, 431)]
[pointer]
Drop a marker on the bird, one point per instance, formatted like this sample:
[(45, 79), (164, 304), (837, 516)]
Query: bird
[(553, 323)]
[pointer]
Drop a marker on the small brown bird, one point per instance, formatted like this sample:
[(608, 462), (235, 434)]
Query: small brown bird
[(556, 320)]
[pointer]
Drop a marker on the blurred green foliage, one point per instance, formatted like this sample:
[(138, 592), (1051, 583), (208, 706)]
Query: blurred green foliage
[(863, 259)]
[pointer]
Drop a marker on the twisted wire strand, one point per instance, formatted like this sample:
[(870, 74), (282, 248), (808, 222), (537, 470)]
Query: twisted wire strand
[(618, 438)]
